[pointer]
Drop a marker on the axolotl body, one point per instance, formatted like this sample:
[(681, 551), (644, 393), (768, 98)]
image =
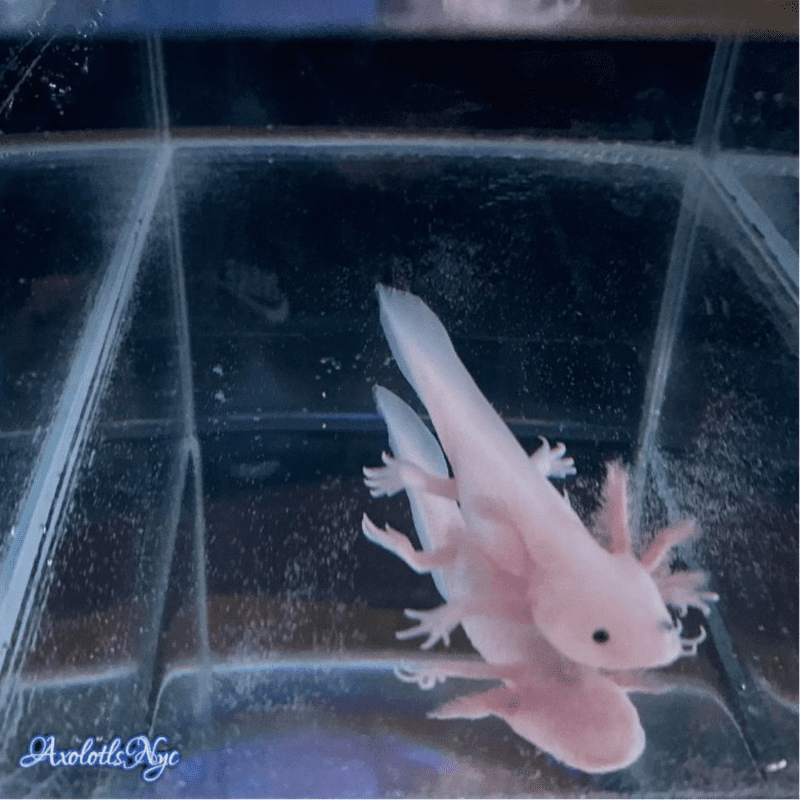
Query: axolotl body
[(575, 713), (600, 608)]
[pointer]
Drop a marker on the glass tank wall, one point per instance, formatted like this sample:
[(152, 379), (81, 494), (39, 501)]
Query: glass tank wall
[(193, 231)]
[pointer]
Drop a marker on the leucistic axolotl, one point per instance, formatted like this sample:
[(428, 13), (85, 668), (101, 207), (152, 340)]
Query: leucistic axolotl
[(575, 713), (601, 608)]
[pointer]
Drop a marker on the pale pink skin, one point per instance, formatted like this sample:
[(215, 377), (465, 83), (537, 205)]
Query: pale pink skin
[(575, 713), (580, 717), (578, 714), (520, 522)]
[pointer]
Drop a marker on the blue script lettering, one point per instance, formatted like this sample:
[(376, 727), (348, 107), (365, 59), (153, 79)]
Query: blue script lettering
[(39, 749), (139, 751)]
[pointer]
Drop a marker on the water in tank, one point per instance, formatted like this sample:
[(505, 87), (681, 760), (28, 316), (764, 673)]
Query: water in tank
[(599, 231)]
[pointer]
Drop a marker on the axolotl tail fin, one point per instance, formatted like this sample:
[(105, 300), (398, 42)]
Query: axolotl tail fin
[(409, 437), (412, 329)]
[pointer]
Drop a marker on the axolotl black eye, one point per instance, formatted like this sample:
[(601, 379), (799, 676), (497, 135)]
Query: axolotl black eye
[(601, 636)]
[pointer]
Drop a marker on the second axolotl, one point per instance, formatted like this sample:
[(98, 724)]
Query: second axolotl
[(600, 608)]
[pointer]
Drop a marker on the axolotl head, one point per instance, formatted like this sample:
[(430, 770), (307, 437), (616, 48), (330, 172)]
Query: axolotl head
[(608, 616)]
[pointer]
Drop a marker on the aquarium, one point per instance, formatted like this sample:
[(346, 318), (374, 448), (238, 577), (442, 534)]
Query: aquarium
[(190, 340)]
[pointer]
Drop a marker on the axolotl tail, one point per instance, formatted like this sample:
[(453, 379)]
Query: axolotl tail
[(426, 357)]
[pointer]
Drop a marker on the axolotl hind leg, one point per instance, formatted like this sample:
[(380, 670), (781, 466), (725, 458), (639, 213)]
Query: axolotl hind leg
[(398, 475), (421, 561)]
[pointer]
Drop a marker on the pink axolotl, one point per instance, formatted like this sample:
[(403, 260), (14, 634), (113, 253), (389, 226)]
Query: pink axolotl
[(600, 608), (575, 713)]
